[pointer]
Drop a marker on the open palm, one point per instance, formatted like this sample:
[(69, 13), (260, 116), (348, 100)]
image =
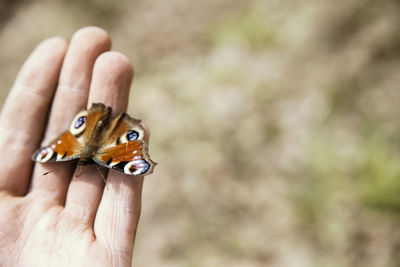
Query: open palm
[(58, 219)]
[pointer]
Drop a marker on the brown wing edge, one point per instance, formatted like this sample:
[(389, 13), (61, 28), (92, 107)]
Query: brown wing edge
[(101, 107), (147, 158)]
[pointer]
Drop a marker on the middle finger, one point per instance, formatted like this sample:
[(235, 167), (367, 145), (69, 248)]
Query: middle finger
[(71, 96)]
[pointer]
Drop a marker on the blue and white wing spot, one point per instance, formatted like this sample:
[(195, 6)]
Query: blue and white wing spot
[(78, 125), (131, 135), (136, 167), (44, 154), (80, 121)]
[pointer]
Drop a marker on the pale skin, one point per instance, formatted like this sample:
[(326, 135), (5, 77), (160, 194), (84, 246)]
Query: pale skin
[(61, 219)]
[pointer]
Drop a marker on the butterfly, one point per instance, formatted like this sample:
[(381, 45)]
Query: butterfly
[(92, 139)]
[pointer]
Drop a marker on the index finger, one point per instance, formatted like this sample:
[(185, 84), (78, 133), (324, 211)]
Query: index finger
[(23, 117)]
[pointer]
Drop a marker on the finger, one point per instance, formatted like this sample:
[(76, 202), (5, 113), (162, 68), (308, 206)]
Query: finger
[(112, 76), (71, 96), (23, 117), (119, 210)]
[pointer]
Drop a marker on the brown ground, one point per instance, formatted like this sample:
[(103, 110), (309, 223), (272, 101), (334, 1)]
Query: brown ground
[(275, 124)]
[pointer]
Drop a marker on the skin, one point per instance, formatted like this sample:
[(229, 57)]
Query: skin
[(61, 219)]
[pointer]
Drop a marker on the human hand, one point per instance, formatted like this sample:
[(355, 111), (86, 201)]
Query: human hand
[(58, 219)]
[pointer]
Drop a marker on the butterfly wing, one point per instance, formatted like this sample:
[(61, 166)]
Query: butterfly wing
[(64, 148), (71, 144), (124, 149)]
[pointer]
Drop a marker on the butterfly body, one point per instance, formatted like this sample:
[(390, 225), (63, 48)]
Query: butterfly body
[(87, 155), (92, 139)]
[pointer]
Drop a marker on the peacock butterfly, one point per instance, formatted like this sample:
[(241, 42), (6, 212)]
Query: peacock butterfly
[(92, 139)]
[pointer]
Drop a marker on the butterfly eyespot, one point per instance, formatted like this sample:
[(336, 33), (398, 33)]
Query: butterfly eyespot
[(78, 125), (80, 121), (44, 154), (136, 167), (130, 136)]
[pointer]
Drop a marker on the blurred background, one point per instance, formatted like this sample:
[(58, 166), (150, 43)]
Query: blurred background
[(275, 123)]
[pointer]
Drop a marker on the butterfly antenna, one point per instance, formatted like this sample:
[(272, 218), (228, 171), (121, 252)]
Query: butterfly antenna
[(77, 174), (101, 173), (48, 172)]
